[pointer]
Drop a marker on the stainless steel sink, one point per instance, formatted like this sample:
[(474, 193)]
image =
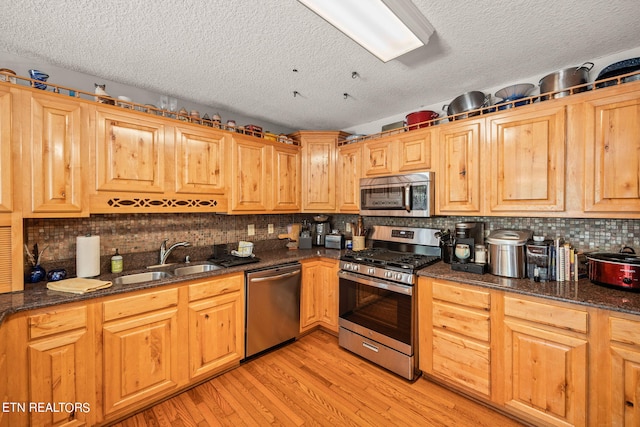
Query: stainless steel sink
[(193, 269), (140, 277)]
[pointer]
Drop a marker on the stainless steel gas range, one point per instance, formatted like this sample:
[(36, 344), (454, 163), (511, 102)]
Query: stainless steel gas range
[(377, 298)]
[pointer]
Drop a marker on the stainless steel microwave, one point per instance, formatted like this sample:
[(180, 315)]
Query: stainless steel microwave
[(411, 195)]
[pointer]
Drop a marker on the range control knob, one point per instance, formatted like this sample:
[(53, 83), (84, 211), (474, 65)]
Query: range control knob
[(371, 271), (388, 274)]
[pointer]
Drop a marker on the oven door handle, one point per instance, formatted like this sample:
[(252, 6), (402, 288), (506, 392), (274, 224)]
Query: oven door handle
[(393, 287), (407, 198)]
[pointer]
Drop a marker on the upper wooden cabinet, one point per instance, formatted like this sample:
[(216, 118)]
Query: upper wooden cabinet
[(318, 169), (458, 174), (6, 174), (250, 168), (55, 154), (129, 152), (612, 153), (200, 164), (349, 173), (286, 193), (401, 153), (527, 161)]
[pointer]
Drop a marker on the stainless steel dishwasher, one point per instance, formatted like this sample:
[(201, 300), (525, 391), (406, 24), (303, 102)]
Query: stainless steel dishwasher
[(273, 307)]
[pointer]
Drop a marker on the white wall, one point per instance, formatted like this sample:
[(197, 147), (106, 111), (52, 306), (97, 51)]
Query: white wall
[(85, 82), (600, 63)]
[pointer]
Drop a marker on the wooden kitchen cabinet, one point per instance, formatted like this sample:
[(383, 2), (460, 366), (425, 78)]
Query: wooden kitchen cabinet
[(612, 153), (318, 169), (527, 161), (130, 152), (55, 154), (250, 170), (140, 348), (287, 180), (348, 178), (458, 178), (455, 337), (6, 152), (398, 154), (319, 294), (621, 384), (200, 163), (52, 352), (546, 360), (216, 325)]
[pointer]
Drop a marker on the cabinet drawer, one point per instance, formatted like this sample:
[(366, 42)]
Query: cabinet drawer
[(215, 287), (130, 306), (461, 295), (546, 314), (624, 331), (56, 321), (471, 323)]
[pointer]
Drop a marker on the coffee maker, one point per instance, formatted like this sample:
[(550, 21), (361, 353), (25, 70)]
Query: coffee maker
[(468, 236), (320, 230)]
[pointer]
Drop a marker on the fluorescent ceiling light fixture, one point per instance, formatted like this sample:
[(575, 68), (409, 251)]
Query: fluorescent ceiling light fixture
[(386, 28)]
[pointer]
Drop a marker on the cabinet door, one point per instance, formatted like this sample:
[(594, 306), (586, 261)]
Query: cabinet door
[(349, 174), (415, 151), (309, 302), (139, 348), (200, 165), (60, 351), (216, 334), (54, 155), (527, 170), (129, 153), (286, 178), (6, 174), (250, 171), (545, 361), (378, 157), (459, 168), (612, 154), (625, 372), (319, 173), (327, 288)]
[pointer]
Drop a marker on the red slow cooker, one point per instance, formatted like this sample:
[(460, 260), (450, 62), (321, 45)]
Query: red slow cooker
[(621, 270)]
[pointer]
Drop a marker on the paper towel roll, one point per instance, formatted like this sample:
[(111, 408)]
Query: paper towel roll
[(88, 256)]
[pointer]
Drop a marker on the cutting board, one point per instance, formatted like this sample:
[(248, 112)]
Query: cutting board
[(78, 285)]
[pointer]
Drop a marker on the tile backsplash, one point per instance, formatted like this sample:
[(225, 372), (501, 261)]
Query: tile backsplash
[(137, 233)]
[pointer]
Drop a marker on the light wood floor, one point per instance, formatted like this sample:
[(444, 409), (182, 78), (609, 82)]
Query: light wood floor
[(313, 382)]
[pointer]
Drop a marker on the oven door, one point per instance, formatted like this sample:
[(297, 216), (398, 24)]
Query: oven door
[(380, 310)]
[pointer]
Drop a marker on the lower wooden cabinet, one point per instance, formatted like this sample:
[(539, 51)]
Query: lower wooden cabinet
[(455, 338), (319, 294), (545, 361), (216, 325), (139, 347)]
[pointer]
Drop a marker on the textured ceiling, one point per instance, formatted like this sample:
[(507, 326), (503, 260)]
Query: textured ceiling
[(239, 54)]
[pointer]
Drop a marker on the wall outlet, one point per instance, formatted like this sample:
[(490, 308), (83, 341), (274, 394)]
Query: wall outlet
[(251, 230), (270, 229)]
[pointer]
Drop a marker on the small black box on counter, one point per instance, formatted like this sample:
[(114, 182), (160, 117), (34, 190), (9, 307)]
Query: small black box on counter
[(469, 267)]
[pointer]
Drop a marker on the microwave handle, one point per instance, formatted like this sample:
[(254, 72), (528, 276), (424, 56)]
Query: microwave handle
[(407, 198)]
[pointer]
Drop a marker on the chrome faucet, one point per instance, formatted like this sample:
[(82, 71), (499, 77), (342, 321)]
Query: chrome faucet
[(164, 252)]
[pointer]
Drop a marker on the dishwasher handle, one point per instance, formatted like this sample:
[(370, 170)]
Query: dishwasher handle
[(280, 276)]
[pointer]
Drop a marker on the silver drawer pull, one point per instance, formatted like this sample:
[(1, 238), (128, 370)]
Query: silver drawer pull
[(370, 346)]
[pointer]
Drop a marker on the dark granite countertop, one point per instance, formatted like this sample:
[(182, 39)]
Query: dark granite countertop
[(38, 296), (582, 292)]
